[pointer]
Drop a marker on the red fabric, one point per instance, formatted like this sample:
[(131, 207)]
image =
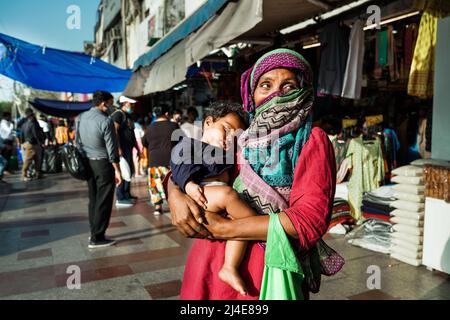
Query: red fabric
[(311, 203), (376, 216)]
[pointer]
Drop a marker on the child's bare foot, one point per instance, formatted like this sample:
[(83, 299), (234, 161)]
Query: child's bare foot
[(231, 277)]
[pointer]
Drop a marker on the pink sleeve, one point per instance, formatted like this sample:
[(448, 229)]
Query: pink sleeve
[(312, 194)]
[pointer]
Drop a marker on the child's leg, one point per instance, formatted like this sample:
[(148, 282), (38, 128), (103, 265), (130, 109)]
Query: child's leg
[(224, 198), (234, 254)]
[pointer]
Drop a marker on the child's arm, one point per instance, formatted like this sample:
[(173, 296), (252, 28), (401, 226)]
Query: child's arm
[(194, 191)]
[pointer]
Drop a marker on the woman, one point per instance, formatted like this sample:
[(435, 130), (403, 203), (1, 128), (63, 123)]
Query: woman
[(301, 188), (158, 142)]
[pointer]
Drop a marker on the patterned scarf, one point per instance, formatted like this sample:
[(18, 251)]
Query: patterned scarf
[(273, 142)]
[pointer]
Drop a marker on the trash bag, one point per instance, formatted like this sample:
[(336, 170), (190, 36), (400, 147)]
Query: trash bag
[(75, 162), (52, 157)]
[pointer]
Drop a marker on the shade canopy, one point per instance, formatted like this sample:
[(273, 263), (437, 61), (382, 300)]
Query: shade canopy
[(58, 70), (61, 109)]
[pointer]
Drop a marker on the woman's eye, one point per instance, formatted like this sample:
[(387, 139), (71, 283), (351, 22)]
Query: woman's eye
[(289, 87), (264, 85)]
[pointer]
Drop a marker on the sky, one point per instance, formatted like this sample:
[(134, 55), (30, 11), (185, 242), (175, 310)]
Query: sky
[(44, 22)]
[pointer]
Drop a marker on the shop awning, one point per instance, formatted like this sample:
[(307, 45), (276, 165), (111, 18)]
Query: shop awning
[(61, 109), (57, 70), (189, 25), (239, 21)]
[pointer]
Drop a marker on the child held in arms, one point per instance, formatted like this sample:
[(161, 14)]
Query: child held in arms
[(204, 171)]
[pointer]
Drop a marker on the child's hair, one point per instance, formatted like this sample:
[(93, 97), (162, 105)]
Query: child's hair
[(220, 109)]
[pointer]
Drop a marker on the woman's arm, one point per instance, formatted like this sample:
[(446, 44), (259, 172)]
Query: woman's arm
[(186, 214), (251, 228), (311, 199)]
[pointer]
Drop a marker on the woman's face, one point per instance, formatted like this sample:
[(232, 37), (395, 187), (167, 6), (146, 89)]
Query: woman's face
[(277, 80)]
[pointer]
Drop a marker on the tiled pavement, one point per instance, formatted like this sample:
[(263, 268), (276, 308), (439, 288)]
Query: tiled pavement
[(44, 231)]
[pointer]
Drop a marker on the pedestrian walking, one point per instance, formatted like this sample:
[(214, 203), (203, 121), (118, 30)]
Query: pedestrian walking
[(34, 140), (158, 142), (127, 142), (97, 138)]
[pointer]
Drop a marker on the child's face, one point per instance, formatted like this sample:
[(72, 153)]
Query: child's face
[(221, 133)]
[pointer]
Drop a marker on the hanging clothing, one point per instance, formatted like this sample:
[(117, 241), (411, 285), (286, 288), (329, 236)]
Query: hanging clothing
[(367, 165), (392, 62), (333, 60), (421, 136), (410, 39), (354, 68), (422, 69), (392, 146), (382, 45)]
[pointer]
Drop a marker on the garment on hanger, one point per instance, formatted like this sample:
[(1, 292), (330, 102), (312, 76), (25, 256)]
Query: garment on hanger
[(422, 68), (367, 163), (354, 67), (334, 52), (392, 147), (392, 62), (421, 136), (410, 38), (382, 45)]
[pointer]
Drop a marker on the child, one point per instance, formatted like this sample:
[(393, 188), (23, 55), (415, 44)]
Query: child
[(212, 168)]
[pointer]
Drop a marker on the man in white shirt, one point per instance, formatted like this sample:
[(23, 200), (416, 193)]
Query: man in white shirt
[(191, 128), (6, 127), (45, 128)]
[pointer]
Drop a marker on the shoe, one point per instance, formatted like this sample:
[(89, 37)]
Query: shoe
[(132, 198), (157, 212), (124, 203), (26, 179), (101, 244)]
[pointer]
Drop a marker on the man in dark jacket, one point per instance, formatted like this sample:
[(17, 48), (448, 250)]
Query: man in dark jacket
[(34, 140)]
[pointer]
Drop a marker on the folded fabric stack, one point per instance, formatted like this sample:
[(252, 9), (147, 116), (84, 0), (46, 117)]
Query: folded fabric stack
[(377, 203), (408, 215), (341, 213), (372, 234)]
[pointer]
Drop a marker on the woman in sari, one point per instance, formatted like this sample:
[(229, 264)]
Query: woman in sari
[(277, 93)]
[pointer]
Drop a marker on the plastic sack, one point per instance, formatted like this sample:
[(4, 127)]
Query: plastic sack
[(125, 169), (77, 165), (52, 162), (283, 274)]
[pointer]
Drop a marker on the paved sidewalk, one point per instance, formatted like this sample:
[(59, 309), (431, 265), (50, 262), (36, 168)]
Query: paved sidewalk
[(44, 230)]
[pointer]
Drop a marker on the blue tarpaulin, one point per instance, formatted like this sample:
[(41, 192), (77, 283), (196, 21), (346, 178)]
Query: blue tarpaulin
[(58, 70), (61, 109), (191, 24)]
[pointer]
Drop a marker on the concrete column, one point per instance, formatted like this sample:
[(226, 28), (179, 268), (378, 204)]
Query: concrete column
[(440, 148)]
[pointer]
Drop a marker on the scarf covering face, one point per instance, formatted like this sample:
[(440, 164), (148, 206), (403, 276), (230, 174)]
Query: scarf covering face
[(273, 142)]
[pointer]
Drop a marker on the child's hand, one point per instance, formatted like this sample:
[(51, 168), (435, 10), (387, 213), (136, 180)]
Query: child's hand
[(194, 191)]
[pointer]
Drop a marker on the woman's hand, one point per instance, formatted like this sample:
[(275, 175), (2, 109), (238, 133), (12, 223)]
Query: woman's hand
[(186, 214), (217, 225)]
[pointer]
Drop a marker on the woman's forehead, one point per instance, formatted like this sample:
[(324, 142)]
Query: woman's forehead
[(283, 73)]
